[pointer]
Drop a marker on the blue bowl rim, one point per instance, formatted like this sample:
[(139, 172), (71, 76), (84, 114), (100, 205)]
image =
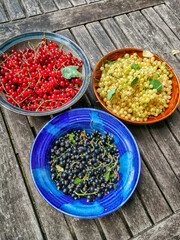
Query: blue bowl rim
[(138, 173), (54, 36)]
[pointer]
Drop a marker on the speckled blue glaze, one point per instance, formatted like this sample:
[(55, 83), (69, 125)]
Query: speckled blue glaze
[(21, 42), (85, 118)]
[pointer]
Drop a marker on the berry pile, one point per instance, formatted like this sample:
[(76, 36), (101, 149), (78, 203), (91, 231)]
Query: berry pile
[(32, 80), (85, 165)]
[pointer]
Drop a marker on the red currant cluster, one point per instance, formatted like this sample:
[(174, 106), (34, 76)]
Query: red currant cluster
[(31, 79)]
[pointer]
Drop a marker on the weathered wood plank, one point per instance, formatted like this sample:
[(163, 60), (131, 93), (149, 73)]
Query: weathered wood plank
[(144, 222), (164, 30), (87, 44), (81, 15), (147, 32), (151, 196), (66, 33), (14, 9), (91, 51), (3, 17), (169, 18), (157, 42), (168, 229), (48, 6), (38, 122), (154, 195), (17, 217), (101, 38), (159, 168), (23, 139), (85, 229), (112, 28), (62, 4), (85, 100), (31, 7), (135, 215), (114, 227), (130, 31), (175, 6), (168, 145), (78, 2), (173, 122), (92, 1)]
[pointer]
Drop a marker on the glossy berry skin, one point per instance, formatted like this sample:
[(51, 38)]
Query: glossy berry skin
[(31, 79), (86, 167)]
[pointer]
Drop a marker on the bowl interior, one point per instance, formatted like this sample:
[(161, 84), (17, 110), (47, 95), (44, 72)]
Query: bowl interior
[(175, 99), (30, 40), (86, 119)]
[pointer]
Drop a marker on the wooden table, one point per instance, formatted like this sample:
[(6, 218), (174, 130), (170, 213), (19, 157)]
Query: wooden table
[(153, 211)]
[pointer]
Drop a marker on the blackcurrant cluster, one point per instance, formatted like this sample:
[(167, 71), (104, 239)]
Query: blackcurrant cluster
[(85, 164)]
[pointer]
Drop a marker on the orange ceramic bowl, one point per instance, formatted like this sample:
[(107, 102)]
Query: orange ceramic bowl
[(112, 56)]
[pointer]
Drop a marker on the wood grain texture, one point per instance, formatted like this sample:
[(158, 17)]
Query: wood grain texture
[(23, 139), (174, 124), (3, 17), (143, 220), (38, 122), (48, 5), (158, 166), (31, 7), (169, 18), (92, 1), (87, 44), (113, 227), (85, 229), (14, 9), (166, 32), (17, 217), (174, 6), (135, 215), (83, 14), (131, 32), (78, 2), (168, 145), (147, 31), (155, 39), (85, 100), (62, 4), (102, 40), (112, 28), (168, 229), (151, 196)]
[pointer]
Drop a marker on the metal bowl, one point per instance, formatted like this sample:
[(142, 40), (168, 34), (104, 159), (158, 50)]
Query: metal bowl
[(21, 42)]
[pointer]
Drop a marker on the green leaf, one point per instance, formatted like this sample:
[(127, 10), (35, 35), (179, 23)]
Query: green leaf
[(115, 186), (77, 180), (108, 169), (111, 93), (71, 137), (156, 83), (106, 176), (134, 81), (75, 85), (112, 175), (70, 72), (135, 66), (111, 62)]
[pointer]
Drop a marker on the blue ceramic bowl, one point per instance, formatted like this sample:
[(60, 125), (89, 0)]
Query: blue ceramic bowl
[(21, 42), (81, 118)]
